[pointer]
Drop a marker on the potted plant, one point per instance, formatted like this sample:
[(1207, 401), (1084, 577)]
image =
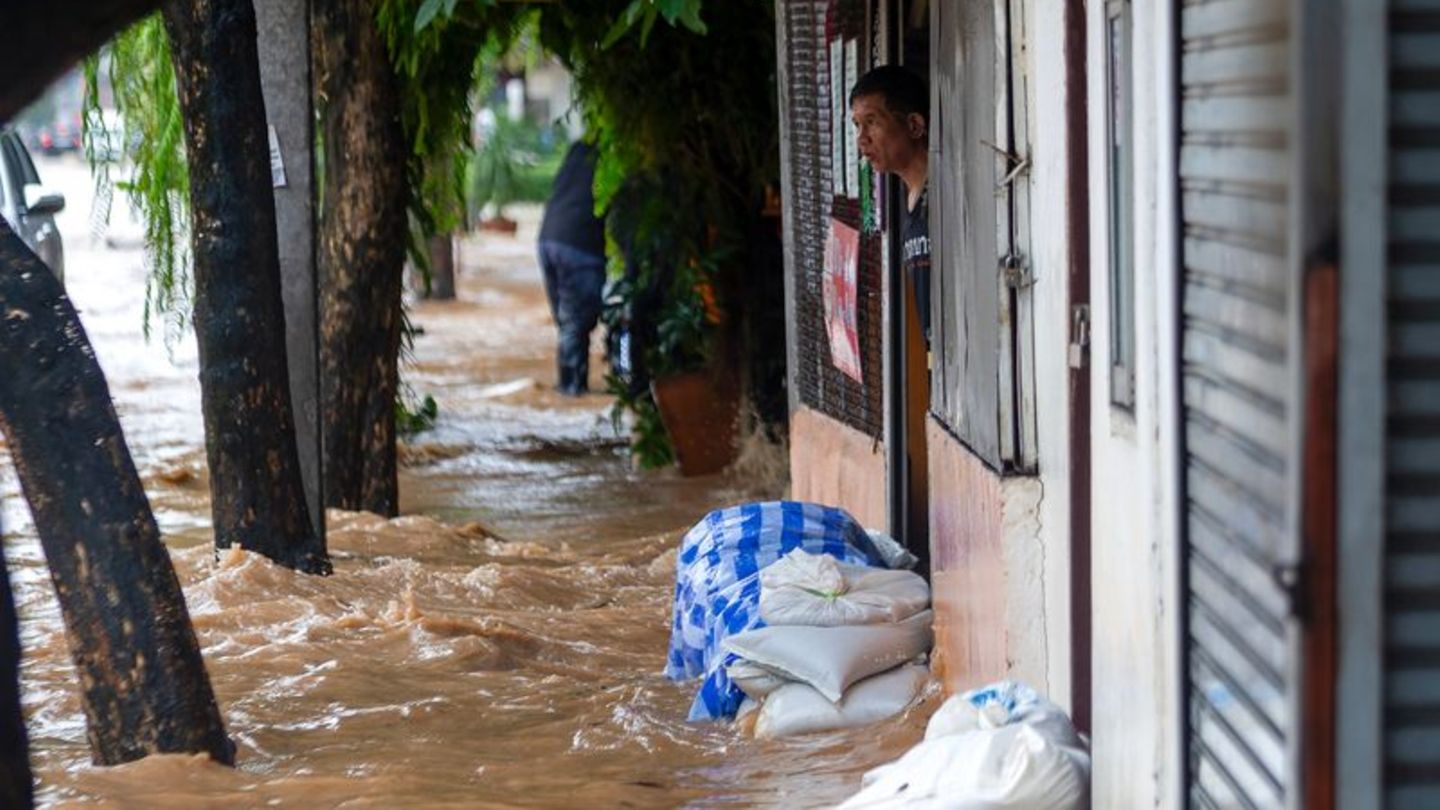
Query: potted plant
[(693, 385), (494, 173), (671, 369)]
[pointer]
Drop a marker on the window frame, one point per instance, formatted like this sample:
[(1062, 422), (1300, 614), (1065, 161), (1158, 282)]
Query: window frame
[(1120, 209)]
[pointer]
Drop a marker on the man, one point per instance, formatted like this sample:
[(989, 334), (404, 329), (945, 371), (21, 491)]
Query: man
[(890, 107), (572, 259)]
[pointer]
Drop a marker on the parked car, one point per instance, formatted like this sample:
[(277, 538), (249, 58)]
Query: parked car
[(59, 136), (29, 207)]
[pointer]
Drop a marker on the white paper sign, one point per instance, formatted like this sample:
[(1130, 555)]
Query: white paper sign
[(852, 143), (837, 118), (277, 162)]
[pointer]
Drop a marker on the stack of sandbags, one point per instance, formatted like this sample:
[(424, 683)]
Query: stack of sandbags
[(717, 583), (1001, 747), (841, 646)]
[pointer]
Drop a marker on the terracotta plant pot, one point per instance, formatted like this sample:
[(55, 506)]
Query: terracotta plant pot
[(700, 411)]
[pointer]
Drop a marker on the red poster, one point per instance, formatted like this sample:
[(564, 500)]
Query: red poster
[(842, 254)]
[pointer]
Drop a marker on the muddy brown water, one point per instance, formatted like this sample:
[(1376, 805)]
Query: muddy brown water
[(439, 666)]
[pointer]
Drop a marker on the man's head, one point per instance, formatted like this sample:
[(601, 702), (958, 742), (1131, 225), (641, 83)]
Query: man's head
[(890, 107)]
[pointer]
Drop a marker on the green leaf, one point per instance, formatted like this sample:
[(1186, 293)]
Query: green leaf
[(650, 18), (613, 35), (671, 9), (427, 13), (624, 23), (690, 18)]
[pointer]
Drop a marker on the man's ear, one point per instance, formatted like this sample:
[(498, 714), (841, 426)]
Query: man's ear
[(915, 125)]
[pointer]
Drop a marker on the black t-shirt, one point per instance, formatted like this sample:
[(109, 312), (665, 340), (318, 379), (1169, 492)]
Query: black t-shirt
[(570, 212), (916, 252)]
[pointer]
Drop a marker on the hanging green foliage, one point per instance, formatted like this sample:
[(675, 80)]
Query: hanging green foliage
[(687, 141), (683, 119), (151, 145)]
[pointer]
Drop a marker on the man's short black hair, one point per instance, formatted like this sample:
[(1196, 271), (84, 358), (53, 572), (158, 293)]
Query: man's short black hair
[(904, 92)]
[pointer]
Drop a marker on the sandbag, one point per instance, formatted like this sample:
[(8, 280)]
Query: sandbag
[(717, 584), (754, 680), (818, 590), (796, 708), (1001, 704), (1010, 768), (830, 659), (1031, 760)]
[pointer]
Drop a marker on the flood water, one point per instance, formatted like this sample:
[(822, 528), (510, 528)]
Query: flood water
[(500, 645)]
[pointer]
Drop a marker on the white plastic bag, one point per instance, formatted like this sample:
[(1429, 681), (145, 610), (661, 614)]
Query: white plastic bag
[(895, 555), (832, 658), (818, 590), (999, 747), (797, 708)]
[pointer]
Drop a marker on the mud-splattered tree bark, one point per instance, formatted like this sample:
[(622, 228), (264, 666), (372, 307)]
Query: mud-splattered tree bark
[(257, 497), (17, 788), (360, 253), (40, 41), (142, 680)]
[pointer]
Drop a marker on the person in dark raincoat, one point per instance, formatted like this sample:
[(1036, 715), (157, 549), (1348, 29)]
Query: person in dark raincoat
[(572, 259)]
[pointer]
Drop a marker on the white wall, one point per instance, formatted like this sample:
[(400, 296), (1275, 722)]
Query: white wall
[(1037, 514), (1134, 540)]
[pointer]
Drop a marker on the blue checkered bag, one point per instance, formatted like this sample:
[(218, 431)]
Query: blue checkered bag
[(717, 584)]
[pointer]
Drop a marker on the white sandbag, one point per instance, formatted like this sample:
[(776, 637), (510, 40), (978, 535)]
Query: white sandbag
[(754, 680), (1001, 704), (797, 708), (817, 590), (999, 747), (957, 716), (832, 658), (1009, 768)]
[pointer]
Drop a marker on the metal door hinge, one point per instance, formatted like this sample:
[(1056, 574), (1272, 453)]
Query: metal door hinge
[(1015, 272), (1079, 353)]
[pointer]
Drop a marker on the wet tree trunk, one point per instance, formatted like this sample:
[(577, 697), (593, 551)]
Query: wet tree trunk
[(16, 785), (257, 496), (40, 41), (360, 253), (442, 267), (142, 681)]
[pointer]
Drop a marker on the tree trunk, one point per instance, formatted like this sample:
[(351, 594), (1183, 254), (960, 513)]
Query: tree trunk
[(257, 497), (142, 681), (17, 787), (442, 267), (361, 253), (40, 41)]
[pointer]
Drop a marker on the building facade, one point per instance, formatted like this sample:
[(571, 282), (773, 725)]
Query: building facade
[(1175, 459)]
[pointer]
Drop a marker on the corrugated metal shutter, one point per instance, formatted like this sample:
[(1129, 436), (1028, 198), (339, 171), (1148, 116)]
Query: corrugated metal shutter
[(807, 26), (1412, 688), (1239, 372)]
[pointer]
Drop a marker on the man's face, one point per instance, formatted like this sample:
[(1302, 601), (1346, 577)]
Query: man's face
[(890, 142)]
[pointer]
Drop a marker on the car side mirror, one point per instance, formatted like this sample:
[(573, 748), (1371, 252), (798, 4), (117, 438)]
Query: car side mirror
[(39, 201)]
